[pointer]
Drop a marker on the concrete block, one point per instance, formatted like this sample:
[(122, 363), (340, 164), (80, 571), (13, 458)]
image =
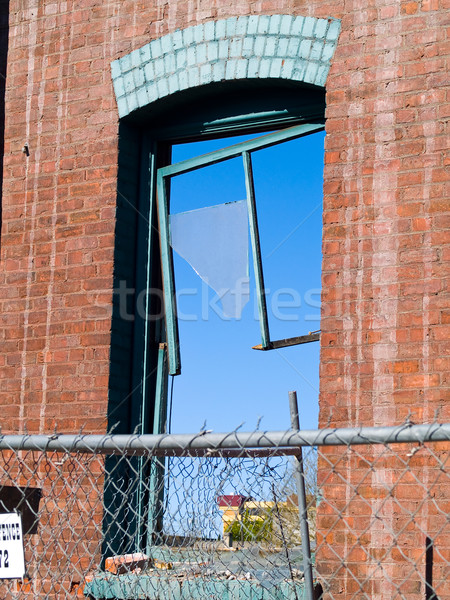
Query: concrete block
[(264, 67), (263, 24), (260, 42), (299, 70), (119, 88), (145, 53), (149, 72), (191, 56), (236, 47), (142, 98), (170, 63), (115, 69), (172, 82), (252, 27), (275, 68), (316, 50), (156, 48), (177, 40), (224, 49), (135, 58), (333, 31), (122, 107), (293, 46), (193, 77), (230, 69), (132, 102), (247, 46), (327, 52), (231, 26), (310, 72), (271, 46), (152, 92), (188, 37), (125, 63), (205, 74), (218, 71), (320, 28), (322, 74), (241, 69), (297, 26), (128, 82), (221, 29), (288, 68), (183, 81), (139, 77), (213, 51), (305, 48), (282, 49), (201, 53), (181, 59), (162, 87), (241, 26), (209, 29), (166, 44), (159, 67), (275, 24), (286, 24), (308, 27), (253, 67)]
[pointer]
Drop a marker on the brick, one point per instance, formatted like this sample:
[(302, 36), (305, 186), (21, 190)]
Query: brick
[(385, 308)]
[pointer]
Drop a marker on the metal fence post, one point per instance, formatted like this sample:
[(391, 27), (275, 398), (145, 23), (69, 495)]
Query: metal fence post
[(302, 504)]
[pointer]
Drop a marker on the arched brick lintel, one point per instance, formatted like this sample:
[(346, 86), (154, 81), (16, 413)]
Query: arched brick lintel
[(252, 47)]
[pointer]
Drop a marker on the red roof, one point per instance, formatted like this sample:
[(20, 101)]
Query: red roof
[(232, 500)]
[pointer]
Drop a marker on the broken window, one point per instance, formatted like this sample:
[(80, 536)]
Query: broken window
[(201, 237), (231, 229), (214, 241)]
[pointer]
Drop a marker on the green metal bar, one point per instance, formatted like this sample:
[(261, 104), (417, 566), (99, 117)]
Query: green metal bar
[(294, 341), (148, 186), (156, 477), (256, 249), (168, 276), (160, 414), (151, 212), (260, 143)]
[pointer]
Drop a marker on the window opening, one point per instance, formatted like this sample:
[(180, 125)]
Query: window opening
[(288, 186), (145, 178)]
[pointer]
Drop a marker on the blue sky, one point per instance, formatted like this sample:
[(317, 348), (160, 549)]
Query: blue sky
[(224, 382)]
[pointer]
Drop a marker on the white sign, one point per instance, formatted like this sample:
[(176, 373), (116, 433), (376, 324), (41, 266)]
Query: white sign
[(12, 562)]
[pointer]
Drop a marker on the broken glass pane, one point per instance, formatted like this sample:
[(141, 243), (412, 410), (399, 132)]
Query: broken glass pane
[(214, 241)]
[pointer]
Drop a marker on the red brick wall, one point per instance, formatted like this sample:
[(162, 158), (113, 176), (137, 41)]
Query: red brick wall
[(385, 308), (385, 317), (384, 347), (384, 321)]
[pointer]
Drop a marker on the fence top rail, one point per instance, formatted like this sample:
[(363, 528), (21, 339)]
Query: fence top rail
[(220, 444)]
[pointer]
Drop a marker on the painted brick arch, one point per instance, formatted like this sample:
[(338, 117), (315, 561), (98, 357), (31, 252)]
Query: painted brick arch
[(250, 47)]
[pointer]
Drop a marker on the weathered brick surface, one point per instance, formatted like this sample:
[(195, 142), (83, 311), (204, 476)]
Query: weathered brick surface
[(385, 241), (245, 47), (385, 276)]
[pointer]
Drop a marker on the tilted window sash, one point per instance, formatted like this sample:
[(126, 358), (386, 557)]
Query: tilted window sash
[(164, 174)]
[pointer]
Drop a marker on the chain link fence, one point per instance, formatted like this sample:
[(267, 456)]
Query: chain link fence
[(217, 515)]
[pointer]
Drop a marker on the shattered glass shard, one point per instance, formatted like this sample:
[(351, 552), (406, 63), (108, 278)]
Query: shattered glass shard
[(214, 241)]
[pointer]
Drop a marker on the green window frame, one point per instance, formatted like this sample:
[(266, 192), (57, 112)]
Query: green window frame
[(152, 354), (164, 174)]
